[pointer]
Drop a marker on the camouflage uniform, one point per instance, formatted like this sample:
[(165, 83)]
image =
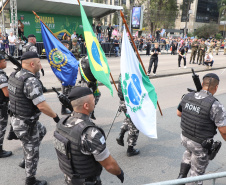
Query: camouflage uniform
[(194, 47), (198, 53), (30, 137), (76, 51), (92, 143), (202, 52), (212, 44), (129, 126), (29, 47), (195, 155), (3, 115), (218, 47)]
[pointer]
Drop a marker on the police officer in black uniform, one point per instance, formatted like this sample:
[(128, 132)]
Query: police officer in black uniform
[(4, 98), (201, 114), (26, 104), (30, 46), (80, 144)]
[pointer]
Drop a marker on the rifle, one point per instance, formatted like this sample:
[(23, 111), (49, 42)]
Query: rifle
[(13, 60), (196, 82), (16, 63), (19, 66), (63, 99)]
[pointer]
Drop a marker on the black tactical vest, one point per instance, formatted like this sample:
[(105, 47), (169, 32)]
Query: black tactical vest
[(27, 47), (67, 143), (120, 93), (3, 98), (20, 105), (195, 119)]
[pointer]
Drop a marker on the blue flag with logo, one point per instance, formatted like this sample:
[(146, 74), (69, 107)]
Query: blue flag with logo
[(61, 60)]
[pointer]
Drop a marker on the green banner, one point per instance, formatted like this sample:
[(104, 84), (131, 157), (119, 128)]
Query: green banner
[(57, 23)]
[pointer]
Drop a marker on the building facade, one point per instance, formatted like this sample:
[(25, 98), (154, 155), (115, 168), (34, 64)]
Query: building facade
[(201, 12)]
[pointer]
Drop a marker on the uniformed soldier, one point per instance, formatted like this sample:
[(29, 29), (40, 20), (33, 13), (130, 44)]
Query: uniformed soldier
[(30, 46), (80, 144), (26, 104), (127, 126), (194, 48), (201, 114), (218, 46), (4, 99), (198, 51), (202, 52), (88, 80), (76, 50), (212, 44), (65, 89), (224, 47)]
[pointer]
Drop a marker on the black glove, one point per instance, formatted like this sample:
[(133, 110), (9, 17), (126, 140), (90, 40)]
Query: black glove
[(56, 119), (121, 176)]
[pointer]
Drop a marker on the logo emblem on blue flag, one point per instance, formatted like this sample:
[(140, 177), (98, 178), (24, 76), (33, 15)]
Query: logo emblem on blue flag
[(57, 59)]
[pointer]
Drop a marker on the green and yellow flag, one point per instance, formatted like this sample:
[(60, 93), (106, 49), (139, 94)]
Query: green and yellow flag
[(97, 59)]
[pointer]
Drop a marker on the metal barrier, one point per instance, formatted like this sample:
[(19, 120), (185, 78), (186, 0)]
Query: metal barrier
[(212, 176)]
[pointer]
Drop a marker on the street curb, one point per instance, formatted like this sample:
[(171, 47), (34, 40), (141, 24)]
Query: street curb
[(153, 77)]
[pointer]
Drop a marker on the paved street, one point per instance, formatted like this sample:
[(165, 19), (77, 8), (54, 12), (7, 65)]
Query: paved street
[(159, 158)]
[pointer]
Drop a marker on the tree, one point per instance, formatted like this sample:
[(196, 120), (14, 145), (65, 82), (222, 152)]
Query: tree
[(159, 13), (207, 31)]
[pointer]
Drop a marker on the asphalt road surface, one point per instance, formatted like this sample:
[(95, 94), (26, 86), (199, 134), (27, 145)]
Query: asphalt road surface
[(159, 159)]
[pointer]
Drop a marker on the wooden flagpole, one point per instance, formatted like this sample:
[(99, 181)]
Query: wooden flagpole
[(110, 72), (59, 40), (138, 55)]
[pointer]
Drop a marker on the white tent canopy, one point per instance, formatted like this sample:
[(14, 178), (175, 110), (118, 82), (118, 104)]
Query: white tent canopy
[(66, 7)]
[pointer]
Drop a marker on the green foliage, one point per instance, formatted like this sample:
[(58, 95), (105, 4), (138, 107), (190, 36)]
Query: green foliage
[(126, 13), (218, 36), (190, 35), (160, 13), (115, 19), (206, 31)]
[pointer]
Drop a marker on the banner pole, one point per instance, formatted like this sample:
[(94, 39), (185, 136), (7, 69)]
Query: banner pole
[(138, 55)]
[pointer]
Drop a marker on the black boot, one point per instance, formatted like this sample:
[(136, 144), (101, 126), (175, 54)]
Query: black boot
[(22, 164), (131, 151), (119, 139), (12, 135), (34, 181), (4, 153), (92, 116), (184, 169), (65, 111)]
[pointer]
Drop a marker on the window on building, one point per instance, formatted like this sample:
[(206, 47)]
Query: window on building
[(124, 2), (116, 2), (131, 1), (207, 11)]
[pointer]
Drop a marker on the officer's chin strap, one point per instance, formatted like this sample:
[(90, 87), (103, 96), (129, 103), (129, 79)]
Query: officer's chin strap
[(116, 115), (43, 73)]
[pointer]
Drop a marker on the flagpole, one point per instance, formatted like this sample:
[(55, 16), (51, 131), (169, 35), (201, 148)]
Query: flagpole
[(110, 72), (44, 24), (138, 55)]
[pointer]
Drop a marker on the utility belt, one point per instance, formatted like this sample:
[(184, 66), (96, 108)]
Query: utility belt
[(212, 146), (88, 181), (29, 122)]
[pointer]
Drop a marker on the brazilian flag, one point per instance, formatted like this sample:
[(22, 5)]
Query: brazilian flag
[(97, 59)]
